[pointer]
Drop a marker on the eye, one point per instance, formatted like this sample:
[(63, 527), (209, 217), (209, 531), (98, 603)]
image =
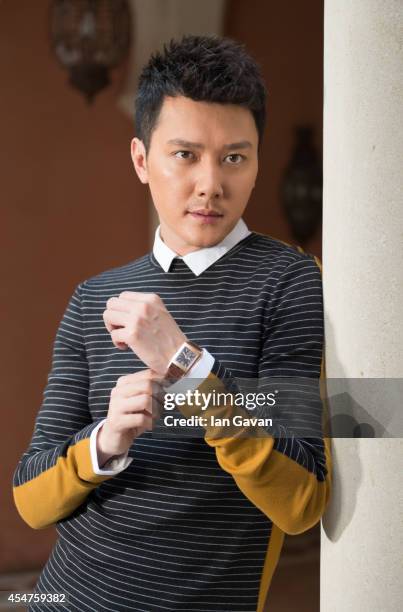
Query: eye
[(184, 154), (235, 158)]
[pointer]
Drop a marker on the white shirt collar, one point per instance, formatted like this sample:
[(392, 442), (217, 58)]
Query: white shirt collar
[(199, 260)]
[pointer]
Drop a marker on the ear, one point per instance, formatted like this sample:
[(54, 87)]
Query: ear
[(139, 158)]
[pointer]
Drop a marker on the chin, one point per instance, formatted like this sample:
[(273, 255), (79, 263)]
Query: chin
[(208, 238)]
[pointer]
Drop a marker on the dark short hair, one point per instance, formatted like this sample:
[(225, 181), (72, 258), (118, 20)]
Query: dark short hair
[(202, 68)]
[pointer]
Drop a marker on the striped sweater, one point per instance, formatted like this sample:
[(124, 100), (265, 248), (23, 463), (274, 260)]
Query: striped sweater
[(192, 524)]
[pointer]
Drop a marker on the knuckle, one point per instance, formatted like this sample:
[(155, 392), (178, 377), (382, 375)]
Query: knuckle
[(136, 319), (117, 390), (143, 310)]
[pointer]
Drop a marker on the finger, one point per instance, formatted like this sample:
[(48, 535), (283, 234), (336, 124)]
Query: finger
[(141, 420), (138, 296), (142, 401), (119, 336), (131, 389), (117, 303), (154, 376), (141, 404), (115, 318), (126, 304), (146, 374), (122, 346)]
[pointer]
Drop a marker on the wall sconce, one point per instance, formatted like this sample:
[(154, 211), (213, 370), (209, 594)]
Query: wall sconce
[(89, 37)]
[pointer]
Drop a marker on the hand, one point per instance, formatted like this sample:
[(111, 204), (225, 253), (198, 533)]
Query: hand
[(130, 412), (141, 322)]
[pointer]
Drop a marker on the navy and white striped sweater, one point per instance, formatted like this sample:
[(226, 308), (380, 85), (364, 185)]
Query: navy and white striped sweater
[(191, 524)]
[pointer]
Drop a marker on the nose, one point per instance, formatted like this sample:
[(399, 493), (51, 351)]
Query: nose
[(209, 182)]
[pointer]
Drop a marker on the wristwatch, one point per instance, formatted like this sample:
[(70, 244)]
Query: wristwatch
[(184, 358)]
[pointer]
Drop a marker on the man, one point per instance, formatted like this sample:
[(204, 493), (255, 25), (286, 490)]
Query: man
[(150, 523)]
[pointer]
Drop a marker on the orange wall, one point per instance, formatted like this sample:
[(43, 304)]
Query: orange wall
[(71, 205)]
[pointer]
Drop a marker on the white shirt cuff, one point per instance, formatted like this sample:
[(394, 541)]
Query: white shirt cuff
[(195, 376), (113, 466)]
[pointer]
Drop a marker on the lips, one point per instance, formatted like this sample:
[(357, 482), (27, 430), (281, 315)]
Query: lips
[(205, 213)]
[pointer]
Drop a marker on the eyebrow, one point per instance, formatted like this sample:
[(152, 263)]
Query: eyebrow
[(242, 144)]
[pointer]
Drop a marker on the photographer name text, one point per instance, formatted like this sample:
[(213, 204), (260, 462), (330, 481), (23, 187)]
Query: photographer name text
[(213, 421)]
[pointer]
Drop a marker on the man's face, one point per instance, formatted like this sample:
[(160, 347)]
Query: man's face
[(201, 168)]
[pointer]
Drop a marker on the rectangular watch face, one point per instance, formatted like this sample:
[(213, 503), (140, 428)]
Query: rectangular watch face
[(185, 357)]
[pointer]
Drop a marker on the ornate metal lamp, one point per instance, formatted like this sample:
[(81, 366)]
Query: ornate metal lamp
[(301, 187), (89, 37)]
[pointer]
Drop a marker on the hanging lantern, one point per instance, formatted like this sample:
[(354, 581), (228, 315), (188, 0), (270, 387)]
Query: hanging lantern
[(89, 37), (301, 187)]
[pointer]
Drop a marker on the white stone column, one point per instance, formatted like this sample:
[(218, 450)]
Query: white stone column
[(361, 538)]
